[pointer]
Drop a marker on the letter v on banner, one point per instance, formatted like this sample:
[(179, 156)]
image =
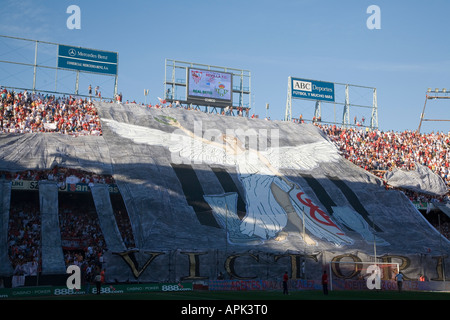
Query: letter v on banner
[(132, 263)]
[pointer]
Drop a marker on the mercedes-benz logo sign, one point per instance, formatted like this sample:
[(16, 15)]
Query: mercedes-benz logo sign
[(72, 52)]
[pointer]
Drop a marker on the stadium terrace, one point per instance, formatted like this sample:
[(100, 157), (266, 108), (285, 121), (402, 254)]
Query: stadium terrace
[(91, 183)]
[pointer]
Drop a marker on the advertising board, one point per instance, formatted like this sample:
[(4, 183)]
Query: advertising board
[(87, 60), (312, 89)]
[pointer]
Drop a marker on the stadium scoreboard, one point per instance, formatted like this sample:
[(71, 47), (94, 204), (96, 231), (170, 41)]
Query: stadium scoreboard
[(209, 87)]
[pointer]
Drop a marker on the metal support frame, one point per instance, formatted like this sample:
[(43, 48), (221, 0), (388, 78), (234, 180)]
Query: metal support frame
[(317, 112), (288, 111), (36, 66), (346, 106), (428, 96), (346, 113), (374, 117)]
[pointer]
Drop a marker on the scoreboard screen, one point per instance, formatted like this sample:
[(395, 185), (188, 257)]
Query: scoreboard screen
[(209, 87)]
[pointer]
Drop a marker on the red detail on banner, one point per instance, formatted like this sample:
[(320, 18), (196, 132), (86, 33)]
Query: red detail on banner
[(313, 209)]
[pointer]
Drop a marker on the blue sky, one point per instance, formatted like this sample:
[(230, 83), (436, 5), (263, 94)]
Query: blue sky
[(324, 40)]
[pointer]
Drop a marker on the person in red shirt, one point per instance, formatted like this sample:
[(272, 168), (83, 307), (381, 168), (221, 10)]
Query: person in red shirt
[(285, 283), (325, 282)]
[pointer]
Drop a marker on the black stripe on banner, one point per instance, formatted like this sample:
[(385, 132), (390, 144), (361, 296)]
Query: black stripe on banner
[(320, 192), (193, 192), (228, 185), (353, 199)]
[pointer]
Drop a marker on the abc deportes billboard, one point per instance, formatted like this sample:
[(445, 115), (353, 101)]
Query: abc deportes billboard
[(312, 89)]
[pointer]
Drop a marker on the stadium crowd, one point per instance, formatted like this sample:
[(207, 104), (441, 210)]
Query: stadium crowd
[(378, 151), (24, 112), (226, 111), (24, 238), (82, 238), (61, 175)]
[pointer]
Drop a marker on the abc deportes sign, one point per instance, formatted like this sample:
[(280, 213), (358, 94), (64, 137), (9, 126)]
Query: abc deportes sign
[(312, 89)]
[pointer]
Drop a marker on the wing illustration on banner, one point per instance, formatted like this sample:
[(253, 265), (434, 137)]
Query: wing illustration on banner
[(268, 211)]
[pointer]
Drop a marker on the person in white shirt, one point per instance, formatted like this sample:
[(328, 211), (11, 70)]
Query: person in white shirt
[(399, 278)]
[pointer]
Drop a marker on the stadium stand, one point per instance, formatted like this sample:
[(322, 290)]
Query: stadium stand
[(24, 235), (81, 235), (22, 112), (378, 151), (373, 150), (151, 191)]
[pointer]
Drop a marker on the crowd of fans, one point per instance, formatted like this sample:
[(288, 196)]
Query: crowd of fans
[(124, 225), (61, 175), (80, 228), (442, 224), (226, 111), (24, 238), (24, 112), (82, 238), (378, 151), (81, 235)]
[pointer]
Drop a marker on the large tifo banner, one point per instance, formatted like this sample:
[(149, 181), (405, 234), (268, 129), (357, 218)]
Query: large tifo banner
[(312, 89), (87, 60)]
